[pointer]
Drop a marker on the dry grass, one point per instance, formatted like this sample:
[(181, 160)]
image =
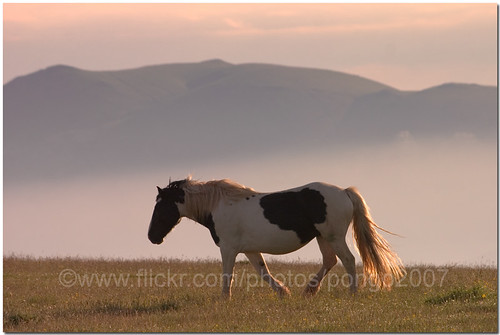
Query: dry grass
[(430, 299)]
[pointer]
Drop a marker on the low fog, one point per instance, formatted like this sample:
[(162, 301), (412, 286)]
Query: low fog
[(440, 195)]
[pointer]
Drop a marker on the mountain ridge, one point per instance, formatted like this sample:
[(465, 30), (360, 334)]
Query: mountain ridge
[(220, 62), (64, 121)]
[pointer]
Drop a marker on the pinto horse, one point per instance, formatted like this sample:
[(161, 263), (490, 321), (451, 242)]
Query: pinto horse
[(242, 220)]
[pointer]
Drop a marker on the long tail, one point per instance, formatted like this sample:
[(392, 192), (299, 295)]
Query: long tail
[(380, 263)]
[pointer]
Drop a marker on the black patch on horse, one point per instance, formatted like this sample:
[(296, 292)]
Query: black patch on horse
[(297, 211), (209, 223)]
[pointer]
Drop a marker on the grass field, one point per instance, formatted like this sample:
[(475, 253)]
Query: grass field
[(71, 295)]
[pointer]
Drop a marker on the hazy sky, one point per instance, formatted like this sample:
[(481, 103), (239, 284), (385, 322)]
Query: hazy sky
[(408, 46), (439, 195)]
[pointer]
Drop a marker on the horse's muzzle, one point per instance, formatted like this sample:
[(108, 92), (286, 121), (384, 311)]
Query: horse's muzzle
[(155, 241)]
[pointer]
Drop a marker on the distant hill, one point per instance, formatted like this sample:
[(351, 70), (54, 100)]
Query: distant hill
[(63, 121)]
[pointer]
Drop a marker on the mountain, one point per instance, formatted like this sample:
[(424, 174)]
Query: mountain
[(65, 122)]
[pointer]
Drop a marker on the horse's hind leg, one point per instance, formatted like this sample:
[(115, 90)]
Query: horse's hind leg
[(260, 265), (329, 260), (342, 251)]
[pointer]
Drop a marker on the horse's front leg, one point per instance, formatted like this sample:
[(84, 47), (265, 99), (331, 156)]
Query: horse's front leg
[(260, 266), (228, 260)]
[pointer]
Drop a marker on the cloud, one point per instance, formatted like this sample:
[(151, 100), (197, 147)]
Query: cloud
[(258, 18), (234, 23), (348, 18), (440, 195)]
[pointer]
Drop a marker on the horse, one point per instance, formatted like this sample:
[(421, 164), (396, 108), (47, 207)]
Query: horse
[(242, 220)]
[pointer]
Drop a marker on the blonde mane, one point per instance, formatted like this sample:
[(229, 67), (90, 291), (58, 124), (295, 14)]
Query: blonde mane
[(203, 197)]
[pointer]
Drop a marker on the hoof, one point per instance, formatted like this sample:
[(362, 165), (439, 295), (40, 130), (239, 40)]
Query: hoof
[(310, 291), (283, 292), (226, 296)]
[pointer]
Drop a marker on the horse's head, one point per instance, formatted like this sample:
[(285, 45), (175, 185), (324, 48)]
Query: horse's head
[(166, 213)]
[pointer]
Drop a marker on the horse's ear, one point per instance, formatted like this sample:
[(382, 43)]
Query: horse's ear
[(169, 180), (159, 189)]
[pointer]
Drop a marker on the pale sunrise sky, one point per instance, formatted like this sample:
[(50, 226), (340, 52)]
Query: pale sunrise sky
[(407, 46)]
